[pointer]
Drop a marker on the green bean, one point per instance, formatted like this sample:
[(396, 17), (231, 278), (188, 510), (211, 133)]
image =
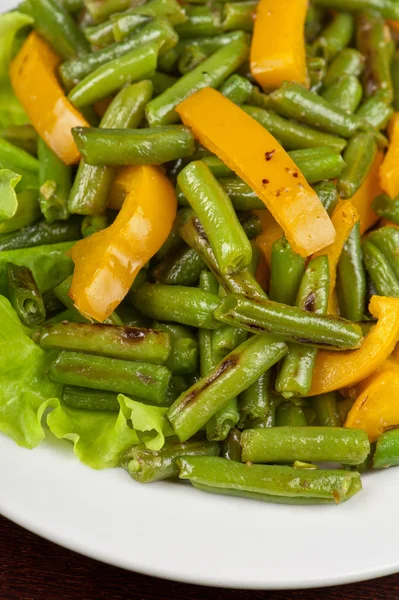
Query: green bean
[(86, 399), (16, 159), (89, 194), (352, 298), (218, 168), (220, 424), (55, 180), (236, 88), (54, 23), (270, 483), (218, 218), (288, 414), (287, 269), (149, 465), (387, 8), (387, 450), (41, 233), (386, 239), (135, 65), (225, 339), (181, 268), (75, 70), (183, 358), (193, 234), (327, 192), (359, 156), (28, 211), (306, 444), (102, 35), (129, 343), (373, 38), (24, 295), (239, 15), (326, 408), (256, 405), (100, 10), (124, 23), (386, 207), (380, 271), (294, 324), (317, 164), (51, 303), (22, 136), (313, 23), (118, 147), (212, 72), (240, 194), (317, 69), (186, 305), (231, 447), (348, 62), (295, 102), (201, 21), (161, 82), (395, 80), (237, 371), (93, 223), (335, 37), (193, 51), (142, 380), (376, 112), (173, 241), (292, 135), (346, 93)]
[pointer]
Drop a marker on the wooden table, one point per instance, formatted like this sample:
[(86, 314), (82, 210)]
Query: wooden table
[(33, 569)]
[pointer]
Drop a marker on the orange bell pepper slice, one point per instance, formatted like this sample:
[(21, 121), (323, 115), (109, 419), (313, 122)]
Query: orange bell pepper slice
[(389, 170), (394, 25), (278, 45), (365, 195), (335, 370), (271, 231), (34, 81), (343, 219), (107, 262), (376, 409), (256, 156)]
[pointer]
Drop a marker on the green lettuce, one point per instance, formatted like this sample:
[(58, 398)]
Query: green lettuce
[(100, 438), (49, 264), (8, 197), (25, 390), (11, 112)]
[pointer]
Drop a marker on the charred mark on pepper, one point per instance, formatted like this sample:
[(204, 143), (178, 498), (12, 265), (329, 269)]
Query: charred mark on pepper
[(265, 181), (269, 155), (228, 363)]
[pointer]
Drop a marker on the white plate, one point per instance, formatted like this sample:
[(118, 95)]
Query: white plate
[(173, 531)]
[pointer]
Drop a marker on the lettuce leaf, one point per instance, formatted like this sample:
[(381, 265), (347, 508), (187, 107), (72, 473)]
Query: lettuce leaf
[(25, 390), (8, 197), (49, 264), (100, 437), (11, 112)]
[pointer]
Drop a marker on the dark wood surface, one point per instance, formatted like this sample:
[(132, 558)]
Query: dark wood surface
[(34, 569)]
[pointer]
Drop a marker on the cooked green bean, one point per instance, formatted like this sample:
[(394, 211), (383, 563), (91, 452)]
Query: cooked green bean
[(346, 93), (183, 358), (386, 207), (93, 223), (129, 343), (118, 147), (201, 21), (326, 408), (348, 62), (287, 269), (386, 239), (181, 268), (376, 112), (327, 192), (288, 414), (86, 399), (387, 8), (237, 371), (28, 212), (149, 465), (22, 136), (239, 15), (124, 23), (359, 157), (143, 380), (317, 164), (212, 72), (351, 278), (41, 233), (380, 271), (55, 180), (387, 450), (24, 295), (306, 444), (336, 36), (256, 405), (236, 88)]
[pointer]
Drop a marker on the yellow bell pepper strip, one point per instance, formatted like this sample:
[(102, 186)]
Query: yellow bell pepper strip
[(256, 156), (278, 45), (34, 81), (271, 231), (119, 187), (389, 170), (107, 262), (364, 196), (335, 370), (343, 219), (376, 409)]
